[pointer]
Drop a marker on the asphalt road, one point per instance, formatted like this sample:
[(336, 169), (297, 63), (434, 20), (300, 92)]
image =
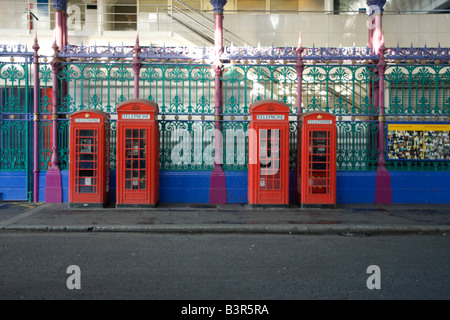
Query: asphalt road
[(223, 266)]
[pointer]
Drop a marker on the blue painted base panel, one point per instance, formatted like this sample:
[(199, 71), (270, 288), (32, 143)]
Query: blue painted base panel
[(193, 186), (13, 186), (420, 187)]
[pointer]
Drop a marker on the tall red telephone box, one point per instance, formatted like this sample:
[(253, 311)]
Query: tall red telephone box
[(268, 165), (317, 160), (89, 159), (137, 154)]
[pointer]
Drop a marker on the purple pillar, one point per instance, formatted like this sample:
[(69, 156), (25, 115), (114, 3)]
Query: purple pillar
[(383, 189), (36, 122), (53, 188), (299, 67), (136, 64), (218, 190)]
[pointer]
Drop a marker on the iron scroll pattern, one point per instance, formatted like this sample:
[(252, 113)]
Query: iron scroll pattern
[(341, 81), (15, 110), (181, 80)]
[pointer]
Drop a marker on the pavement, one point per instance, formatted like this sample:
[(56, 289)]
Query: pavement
[(346, 219)]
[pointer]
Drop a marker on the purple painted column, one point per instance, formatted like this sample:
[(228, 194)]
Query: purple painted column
[(299, 67), (53, 187), (36, 122), (383, 189), (136, 64), (217, 189)]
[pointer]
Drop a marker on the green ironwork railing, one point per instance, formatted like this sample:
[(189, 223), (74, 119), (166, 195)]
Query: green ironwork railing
[(185, 95), (245, 84), (418, 90), (15, 126)]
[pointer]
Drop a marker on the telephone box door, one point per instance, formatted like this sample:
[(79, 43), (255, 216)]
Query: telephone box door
[(89, 159), (318, 154), (268, 166), (137, 154)]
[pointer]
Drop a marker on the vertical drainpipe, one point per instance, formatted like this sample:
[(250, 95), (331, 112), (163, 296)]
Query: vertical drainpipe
[(36, 122), (136, 64), (218, 191), (299, 67)]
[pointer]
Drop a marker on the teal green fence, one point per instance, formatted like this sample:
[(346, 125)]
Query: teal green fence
[(185, 94)]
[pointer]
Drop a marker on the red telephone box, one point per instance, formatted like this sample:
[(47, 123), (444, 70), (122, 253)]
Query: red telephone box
[(89, 159), (268, 165), (317, 181), (137, 154)]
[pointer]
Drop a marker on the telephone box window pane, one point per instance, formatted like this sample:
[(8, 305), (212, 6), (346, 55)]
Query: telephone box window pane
[(269, 159), (86, 161), (86, 133), (319, 162), (135, 159)]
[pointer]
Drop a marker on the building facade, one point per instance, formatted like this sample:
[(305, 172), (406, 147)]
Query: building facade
[(390, 93)]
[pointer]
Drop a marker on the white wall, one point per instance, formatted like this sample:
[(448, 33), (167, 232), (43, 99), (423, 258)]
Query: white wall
[(267, 30), (420, 30), (320, 29)]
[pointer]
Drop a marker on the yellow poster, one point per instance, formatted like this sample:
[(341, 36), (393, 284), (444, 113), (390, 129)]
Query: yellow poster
[(418, 142)]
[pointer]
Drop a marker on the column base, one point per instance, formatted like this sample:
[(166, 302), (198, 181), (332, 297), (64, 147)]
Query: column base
[(53, 189), (217, 188), (383, 189)]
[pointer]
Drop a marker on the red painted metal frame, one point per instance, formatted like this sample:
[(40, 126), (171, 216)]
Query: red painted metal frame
[(273, 116), (138, 116), (317, 159), (91, 155)]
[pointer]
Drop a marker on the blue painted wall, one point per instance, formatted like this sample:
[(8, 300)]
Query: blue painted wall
[(355, 187), (420, 187), (13, 185), (193, 186), (184, 186)]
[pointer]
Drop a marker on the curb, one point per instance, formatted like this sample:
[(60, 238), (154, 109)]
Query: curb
[(349, 230)]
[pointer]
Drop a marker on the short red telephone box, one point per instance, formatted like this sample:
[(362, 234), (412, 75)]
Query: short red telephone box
[(137, 154), (268, 165), (89, 159), (317, 160)]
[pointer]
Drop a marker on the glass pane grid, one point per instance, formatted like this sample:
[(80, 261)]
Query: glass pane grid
[(135, 159), (319, 162), (269, 159), (86, 161)]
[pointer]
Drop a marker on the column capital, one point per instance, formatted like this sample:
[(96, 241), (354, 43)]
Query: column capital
[(378, 3), (60, 5), (218, 5)]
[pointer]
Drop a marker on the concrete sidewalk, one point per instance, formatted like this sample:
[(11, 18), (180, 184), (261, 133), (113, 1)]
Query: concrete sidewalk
[(355, 219)]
